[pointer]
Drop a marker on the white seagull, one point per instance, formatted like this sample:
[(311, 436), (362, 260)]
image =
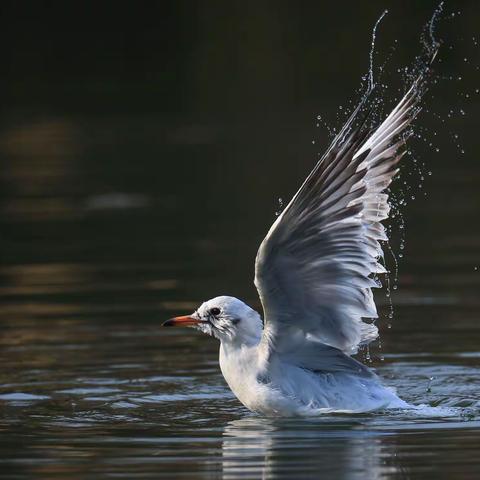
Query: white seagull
[(314, 272)]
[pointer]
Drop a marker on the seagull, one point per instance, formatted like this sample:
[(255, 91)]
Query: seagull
[(314, 272)]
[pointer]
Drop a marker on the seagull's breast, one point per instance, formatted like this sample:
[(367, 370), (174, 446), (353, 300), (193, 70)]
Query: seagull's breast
[(238, 366), (241, 369)]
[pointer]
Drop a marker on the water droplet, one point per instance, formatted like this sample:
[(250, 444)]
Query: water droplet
[(280, 207)]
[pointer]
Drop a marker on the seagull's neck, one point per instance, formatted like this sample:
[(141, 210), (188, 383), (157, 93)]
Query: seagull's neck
[(242, 339)]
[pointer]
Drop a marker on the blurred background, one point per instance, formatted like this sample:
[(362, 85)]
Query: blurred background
[(144, 147), (164, 133)]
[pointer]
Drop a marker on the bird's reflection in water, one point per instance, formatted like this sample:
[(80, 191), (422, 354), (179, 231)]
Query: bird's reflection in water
[(270, 448)]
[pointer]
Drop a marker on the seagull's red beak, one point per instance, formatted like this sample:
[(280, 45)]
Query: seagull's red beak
[(184, 321)]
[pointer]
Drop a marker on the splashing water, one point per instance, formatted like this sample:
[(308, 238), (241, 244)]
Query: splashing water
[(374, 97), (373, 94), (433, 22), (371, 79), (280, 207)]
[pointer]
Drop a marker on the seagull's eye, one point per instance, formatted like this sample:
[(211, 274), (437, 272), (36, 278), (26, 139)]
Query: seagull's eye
[(214, 311)]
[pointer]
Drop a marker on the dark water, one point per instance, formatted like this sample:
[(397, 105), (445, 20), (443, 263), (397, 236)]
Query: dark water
[(91, 386), (112, 221)]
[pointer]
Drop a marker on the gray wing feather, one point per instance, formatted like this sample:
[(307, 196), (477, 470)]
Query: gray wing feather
[(315, 269)]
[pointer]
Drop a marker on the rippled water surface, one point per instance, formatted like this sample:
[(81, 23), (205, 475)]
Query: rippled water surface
[(111, 223), (90, 385)]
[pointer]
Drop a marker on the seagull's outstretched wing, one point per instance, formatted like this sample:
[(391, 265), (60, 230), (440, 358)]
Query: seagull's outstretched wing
[(315, 269)]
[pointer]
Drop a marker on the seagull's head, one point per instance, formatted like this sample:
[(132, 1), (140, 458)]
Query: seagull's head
[(226, 318)]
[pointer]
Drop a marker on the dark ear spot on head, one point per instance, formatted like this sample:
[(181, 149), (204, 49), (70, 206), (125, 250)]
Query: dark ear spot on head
[(235, 320)]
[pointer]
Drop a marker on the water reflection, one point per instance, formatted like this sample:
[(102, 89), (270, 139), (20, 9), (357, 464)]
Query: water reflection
[(329, 449)]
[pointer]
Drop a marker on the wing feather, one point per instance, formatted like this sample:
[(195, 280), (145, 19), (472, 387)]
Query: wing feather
[(315, 269)]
